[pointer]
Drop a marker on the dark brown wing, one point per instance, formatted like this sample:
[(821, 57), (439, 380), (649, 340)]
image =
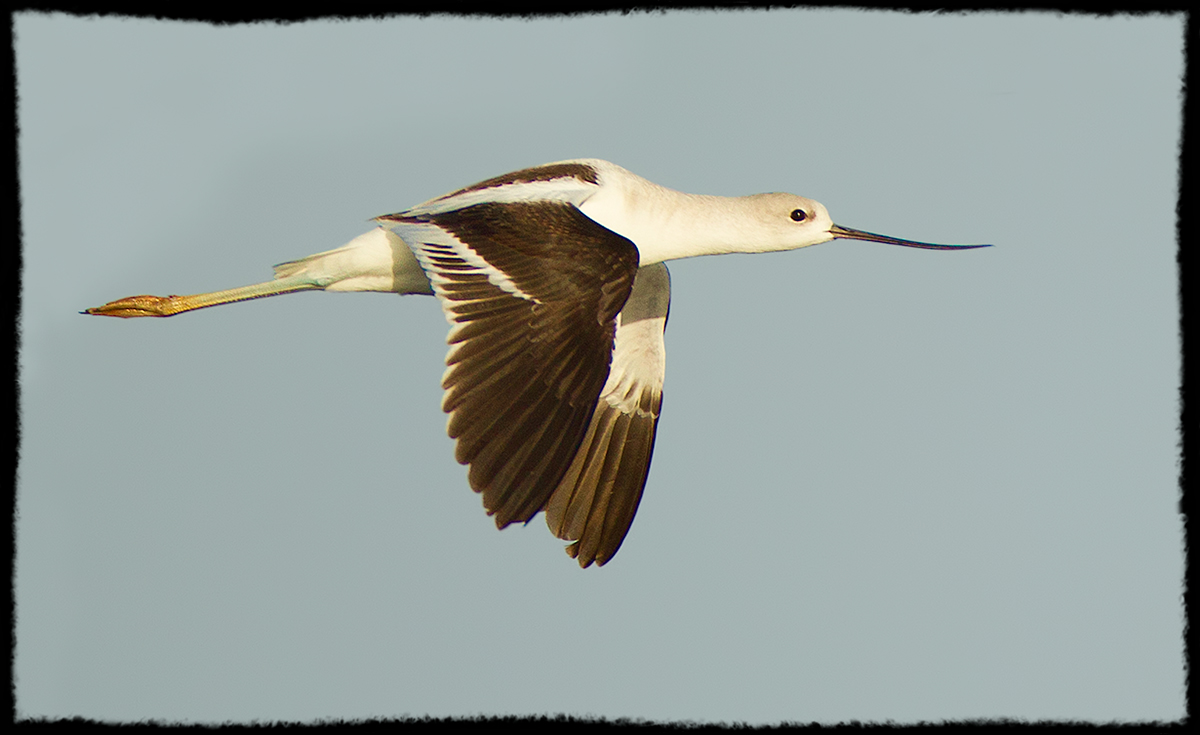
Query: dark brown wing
[(596, 500), (532, 291)]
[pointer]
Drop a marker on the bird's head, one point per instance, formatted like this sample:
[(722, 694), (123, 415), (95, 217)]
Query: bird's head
[(795, 222)]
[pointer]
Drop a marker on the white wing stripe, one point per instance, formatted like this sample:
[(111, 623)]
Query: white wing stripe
[(563, 189), (428, 240)]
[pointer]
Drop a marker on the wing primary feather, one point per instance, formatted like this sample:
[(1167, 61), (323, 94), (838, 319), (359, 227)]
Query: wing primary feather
[(597, 498)]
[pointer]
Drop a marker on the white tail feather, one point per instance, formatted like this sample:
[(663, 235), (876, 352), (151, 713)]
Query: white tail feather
[(375, 261)]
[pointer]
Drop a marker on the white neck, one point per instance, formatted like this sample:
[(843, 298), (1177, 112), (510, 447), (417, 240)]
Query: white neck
[(666, 224)]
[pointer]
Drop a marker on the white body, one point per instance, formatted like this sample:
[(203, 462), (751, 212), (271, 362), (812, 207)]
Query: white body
[(663, 223)]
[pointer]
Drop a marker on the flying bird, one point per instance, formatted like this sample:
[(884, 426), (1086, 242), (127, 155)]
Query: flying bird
[(553, 281)]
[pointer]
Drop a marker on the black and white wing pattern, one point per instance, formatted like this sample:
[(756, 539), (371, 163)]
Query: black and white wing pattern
[(595, 502), (532, 289)]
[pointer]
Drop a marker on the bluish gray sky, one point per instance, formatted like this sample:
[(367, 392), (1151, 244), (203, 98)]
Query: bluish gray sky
[(888, 484)]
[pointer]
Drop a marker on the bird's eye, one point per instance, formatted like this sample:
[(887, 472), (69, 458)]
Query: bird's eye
[(799, 215)]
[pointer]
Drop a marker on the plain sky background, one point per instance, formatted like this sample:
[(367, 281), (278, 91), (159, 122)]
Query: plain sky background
[(888, 484)]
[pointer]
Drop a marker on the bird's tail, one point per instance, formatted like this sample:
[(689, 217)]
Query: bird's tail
[(374, 261)]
